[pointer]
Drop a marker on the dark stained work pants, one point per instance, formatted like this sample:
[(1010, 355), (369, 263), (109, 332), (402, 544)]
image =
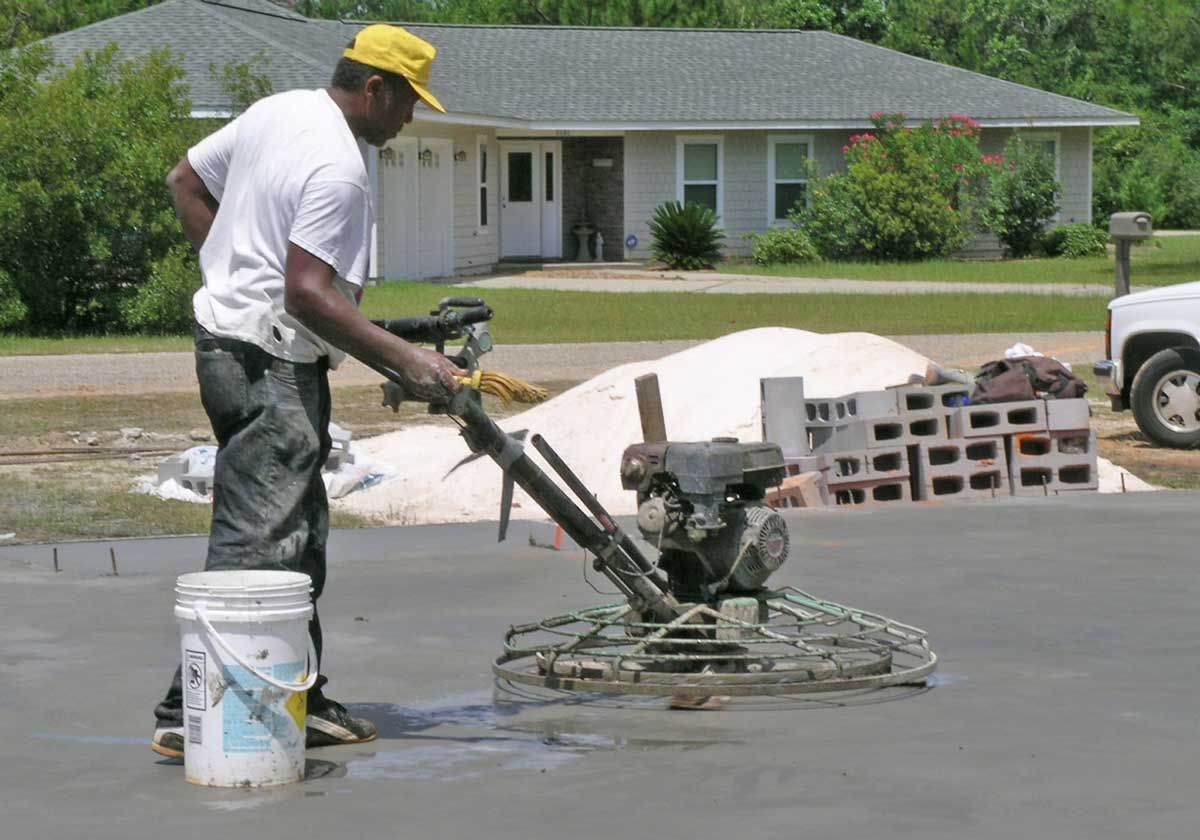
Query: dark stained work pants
[(271, 421)]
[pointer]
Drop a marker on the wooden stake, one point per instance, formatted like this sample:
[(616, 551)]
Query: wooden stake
[(654, 428), (56, 569), (112, 553)]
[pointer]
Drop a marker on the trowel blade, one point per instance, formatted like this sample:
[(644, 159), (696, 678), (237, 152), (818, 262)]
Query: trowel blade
[(506, 500)]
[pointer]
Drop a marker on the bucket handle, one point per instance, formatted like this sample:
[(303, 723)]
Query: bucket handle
[(237, 657)]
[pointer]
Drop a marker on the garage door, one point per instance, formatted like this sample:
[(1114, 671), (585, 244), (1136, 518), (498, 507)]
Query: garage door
[(416, 224)]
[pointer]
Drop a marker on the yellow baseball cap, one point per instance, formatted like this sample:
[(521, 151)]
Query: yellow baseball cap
[(396, 50)]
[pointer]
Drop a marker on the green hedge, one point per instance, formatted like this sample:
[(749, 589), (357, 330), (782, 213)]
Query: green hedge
[(85, 216)]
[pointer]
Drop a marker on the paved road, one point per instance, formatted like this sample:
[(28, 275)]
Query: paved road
[(1064, 705), (113, 373), (712, 282)]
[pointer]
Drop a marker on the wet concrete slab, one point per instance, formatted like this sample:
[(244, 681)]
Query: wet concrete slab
[(1064, 705)]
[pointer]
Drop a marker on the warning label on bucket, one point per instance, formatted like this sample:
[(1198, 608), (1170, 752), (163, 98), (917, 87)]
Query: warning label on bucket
[(195, 730), (195, 677), (253, 715)]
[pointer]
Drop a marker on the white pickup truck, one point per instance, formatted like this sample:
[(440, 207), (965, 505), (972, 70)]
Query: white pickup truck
[(1152, 342)]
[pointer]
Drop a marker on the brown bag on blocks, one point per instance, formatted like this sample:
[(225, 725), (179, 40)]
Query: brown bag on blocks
[(1026, 378)]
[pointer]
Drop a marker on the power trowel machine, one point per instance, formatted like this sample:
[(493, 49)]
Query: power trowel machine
[(698, 619)]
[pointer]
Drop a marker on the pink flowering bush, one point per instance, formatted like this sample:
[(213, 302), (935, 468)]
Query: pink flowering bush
[(1022, 197), (905, 193)]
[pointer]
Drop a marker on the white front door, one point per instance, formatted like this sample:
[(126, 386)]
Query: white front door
[(520, 200)]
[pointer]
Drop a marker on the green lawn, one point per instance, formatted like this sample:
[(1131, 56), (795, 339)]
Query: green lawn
[(526, 316), (1160, 262), (540, 317), (18, 345)]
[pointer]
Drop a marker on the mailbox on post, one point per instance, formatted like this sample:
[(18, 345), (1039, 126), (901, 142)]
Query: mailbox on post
[(1125, 228)]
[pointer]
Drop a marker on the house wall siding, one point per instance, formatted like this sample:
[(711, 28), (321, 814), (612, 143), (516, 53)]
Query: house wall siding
[(476, 249), (1075, 153), (650, 179), (745, 189), (649, 160)]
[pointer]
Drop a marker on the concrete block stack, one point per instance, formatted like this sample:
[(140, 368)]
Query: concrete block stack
[(916, 443), (192, 469)]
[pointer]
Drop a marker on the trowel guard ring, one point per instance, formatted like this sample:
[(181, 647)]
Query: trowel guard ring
[(776, 642)]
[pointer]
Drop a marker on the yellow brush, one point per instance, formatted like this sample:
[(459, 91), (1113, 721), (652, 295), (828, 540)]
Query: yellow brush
[(507, 388)]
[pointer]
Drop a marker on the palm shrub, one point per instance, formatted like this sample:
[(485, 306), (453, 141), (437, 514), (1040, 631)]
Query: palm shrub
[(685, 236)]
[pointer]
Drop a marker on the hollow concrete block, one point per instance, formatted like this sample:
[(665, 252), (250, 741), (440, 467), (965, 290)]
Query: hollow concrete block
[(991, 419), (931, 399), (871, 493), (971, 468), (879, 433), (804, 490), (1047, 463), (1067, 415)]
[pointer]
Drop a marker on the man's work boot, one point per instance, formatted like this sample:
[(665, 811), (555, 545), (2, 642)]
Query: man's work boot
[(334, 725), (168, 741), (330, 724)]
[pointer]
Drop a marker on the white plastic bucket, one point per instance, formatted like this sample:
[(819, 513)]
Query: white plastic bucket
[(246, 651)]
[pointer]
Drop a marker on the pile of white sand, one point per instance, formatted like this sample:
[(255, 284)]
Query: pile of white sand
[(710, 390), (1114, 479)]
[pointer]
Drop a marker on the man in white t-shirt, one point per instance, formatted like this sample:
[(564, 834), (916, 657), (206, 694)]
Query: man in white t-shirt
[(279, 207)]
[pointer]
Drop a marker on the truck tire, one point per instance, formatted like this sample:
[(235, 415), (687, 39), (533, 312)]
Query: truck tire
[(1165, 397)]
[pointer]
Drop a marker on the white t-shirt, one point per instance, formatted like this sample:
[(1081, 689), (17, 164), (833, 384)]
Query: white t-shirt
[(286, 171)]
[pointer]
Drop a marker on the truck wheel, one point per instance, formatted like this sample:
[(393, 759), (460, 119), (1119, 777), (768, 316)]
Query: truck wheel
[(1166, 397)]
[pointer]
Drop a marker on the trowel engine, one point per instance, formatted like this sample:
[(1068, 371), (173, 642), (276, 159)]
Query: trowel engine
[(701, 505)]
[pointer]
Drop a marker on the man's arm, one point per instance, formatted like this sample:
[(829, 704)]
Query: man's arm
[(194, 204), (310, 298)]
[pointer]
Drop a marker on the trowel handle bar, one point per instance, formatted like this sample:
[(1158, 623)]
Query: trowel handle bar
[(576, 486), (459, 303), (434, 329), (483, 435), (630, 575)]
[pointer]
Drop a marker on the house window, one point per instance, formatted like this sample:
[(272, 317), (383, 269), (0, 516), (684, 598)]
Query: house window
[(482, 213), (788, 159), (699, 167), (549, 176)]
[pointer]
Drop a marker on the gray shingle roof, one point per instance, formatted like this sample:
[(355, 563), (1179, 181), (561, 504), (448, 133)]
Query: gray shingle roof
[(581, 76)]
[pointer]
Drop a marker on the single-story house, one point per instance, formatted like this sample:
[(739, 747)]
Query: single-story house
[(550, 127)]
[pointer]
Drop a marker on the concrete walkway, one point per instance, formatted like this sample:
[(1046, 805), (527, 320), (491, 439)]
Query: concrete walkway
[(713, 282)]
